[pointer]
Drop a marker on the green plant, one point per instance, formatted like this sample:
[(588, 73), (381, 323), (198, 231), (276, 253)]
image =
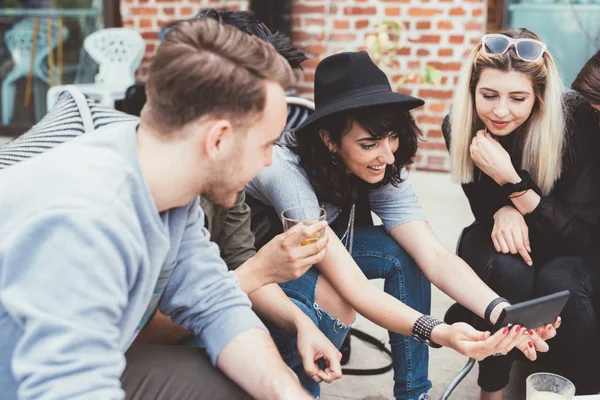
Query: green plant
[(384, 46)]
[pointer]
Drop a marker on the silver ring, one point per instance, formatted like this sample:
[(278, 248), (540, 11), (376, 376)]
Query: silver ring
[(499, 354)]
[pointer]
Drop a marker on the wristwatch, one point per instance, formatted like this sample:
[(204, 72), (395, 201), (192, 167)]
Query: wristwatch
[(525, 184), (422, 328)]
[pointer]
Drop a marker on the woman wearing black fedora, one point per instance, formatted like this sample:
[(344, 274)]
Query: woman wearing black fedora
[(349, 157)]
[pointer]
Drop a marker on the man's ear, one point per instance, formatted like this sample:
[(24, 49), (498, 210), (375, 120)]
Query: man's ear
[(218, 138), (326, 139)]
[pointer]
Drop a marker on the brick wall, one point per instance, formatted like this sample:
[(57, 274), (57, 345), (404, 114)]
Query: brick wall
[(148, 16), (438, 33)]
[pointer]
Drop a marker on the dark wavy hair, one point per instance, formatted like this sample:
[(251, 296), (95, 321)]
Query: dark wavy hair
[(246, 21), (332, 183)]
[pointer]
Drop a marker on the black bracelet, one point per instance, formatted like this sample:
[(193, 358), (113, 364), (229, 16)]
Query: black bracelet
[(422, 330), (491, 306)]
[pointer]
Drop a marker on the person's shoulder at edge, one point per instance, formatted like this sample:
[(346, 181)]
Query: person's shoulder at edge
[(89, 168)]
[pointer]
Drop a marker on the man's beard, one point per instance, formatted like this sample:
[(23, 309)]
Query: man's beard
[(222, 198), (219, 190)]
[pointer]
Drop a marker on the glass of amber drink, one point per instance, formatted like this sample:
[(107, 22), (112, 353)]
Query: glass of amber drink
[(299, 217)]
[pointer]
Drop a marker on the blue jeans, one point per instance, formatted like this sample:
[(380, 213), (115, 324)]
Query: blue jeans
[(302, 292), (379, 256)]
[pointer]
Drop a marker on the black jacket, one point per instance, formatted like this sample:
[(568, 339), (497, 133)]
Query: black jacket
[(567, 220)]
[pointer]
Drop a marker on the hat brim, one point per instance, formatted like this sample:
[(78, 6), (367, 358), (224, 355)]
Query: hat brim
[(366, 100)]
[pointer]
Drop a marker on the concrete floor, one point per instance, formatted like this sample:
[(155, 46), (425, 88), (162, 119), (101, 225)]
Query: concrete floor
[(448, 212)]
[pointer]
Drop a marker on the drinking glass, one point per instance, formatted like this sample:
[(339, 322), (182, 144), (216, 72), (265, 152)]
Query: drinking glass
[(300, 217), (547, 386)]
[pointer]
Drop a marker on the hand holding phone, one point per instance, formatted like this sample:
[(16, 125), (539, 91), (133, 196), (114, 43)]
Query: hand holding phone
[(534, 313)]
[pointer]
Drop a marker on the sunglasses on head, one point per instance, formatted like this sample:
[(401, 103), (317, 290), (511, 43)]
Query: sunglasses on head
[(496, 44)]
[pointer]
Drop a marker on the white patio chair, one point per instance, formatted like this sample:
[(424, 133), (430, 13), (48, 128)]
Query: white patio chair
[(118, 53), (19, 41)]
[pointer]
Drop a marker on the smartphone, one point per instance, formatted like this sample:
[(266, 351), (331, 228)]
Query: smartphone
[(534, 313)]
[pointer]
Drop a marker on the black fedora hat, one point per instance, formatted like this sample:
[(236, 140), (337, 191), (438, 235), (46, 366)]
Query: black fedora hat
[(351, 80)]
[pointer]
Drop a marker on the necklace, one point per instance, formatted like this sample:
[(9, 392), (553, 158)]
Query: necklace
[(349, 234)]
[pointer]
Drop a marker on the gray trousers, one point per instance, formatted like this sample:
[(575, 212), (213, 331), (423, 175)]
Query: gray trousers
[(156, 372)]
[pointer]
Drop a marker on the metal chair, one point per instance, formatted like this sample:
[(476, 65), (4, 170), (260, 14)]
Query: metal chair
[(454, 314)]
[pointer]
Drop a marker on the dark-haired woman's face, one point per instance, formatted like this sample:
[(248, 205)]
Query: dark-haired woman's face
[(366, 156), (503, 100)]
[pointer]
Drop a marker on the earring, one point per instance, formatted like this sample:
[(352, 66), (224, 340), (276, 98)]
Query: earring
[(334, 158)]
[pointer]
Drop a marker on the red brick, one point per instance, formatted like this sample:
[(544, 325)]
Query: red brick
[(392, 12), (423, 52), (456, 39), (395, 1), (150, 35), (457, 11), (143, 11), (187, 11), (403, 51), (145, 23), (342, 37), (341, 24), (427, 39), (445, 52), (437, 107), (304, 36), (314, 22), (450, 66), (435, 134), (169, 11), (363, 23), (301, 9), (423, 12), (428, 119), (473, 26), (316, 49), (445, 25), (433, 146), (360, 11), (414, 64), (435, 94), (478, 12), (423, 25)]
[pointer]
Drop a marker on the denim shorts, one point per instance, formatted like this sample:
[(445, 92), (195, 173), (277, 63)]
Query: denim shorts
[(302, 293)]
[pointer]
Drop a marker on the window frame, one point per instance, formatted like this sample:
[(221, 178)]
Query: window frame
[(111, 15)]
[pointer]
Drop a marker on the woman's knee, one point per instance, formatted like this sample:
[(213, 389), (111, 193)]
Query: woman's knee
[(511, 276), (564, 273), (328, 299)]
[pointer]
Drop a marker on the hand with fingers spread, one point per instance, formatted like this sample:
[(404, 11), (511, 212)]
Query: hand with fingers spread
[(511, 234), (476, 344), (534, 340), (320, 358), (285, 257), (491, 158)]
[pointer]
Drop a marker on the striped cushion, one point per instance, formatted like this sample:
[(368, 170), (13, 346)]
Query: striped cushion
[(65, 121)]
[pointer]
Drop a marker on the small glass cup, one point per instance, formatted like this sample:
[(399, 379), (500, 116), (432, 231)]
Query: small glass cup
[(547, 386), (300, 217)]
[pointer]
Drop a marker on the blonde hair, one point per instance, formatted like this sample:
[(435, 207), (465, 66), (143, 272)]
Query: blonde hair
[(543, 140), (206, 68)]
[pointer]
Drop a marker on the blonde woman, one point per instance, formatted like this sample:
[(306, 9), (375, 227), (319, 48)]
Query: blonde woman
[(525, 152)]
